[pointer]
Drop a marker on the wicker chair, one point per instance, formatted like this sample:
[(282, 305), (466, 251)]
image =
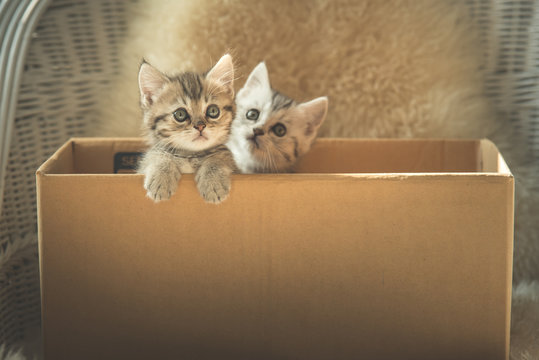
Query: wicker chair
[(56, 56)]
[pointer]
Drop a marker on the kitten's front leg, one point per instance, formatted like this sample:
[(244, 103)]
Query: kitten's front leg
[(213, 177), (161, 174)]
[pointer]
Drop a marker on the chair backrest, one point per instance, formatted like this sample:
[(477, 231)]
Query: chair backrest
[(71, 57)]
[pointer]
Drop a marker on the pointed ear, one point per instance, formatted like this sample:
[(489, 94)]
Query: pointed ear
[(313, 114), (223, 73), (150, 82), (258, 81)]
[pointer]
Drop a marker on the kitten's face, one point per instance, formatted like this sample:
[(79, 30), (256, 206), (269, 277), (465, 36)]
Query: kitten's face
[(274, 129), (189, 111)]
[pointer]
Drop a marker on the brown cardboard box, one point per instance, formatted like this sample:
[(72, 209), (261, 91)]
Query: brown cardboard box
[(375, 249)]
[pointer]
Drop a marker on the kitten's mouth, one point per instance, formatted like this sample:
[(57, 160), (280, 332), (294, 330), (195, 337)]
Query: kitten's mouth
[(200, 137), (253, 139)]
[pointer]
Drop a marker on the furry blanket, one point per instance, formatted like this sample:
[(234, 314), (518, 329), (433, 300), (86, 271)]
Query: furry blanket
[(390, 68)]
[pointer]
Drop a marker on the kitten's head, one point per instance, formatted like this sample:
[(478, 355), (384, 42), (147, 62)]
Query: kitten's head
[(277, 129), (188, 111)]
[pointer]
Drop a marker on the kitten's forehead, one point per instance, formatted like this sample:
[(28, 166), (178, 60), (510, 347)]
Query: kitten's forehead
[(280, 109), (191, 90), (173, 98), (282, 115), (271, 104), (256, 97), (280, 101), (191, 85)]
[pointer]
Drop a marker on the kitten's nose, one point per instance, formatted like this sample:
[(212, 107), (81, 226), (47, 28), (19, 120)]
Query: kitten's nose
[(200, 126), (258, 132)]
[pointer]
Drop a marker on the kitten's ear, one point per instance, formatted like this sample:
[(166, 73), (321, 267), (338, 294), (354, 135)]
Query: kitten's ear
[(313, 114), (150, 82), (223, 73), (257, 81)]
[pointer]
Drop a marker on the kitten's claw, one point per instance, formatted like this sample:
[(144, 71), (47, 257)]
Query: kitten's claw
[(160, 186)]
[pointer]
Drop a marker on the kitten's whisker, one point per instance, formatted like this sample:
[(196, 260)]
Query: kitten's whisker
[(266, 161), (271, 161)]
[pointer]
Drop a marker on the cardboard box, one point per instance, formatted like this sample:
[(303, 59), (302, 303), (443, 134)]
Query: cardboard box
[(375, 249)]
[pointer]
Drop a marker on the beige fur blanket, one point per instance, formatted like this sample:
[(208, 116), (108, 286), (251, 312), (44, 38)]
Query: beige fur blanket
[(390, 68)]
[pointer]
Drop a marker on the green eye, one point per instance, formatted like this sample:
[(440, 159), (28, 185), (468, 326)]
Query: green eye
[(279, 129), (213, 111), (252, 114), (181, 115)]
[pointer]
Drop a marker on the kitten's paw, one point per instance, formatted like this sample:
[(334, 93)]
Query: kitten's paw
[(214, 189), (160, 186)]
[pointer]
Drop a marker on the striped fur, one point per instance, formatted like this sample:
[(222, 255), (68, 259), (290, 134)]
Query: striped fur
[(193, 144)]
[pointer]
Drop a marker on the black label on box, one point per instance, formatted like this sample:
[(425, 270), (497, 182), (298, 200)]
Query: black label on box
[(126, 162)]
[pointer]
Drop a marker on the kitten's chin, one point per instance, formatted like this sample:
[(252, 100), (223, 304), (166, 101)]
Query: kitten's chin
[(197, 143), (201, 139)]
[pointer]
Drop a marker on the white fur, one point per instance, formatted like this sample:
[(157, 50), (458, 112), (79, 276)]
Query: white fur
[(255, 94)]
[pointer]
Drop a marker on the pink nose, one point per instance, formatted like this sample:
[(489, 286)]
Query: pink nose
[(200, 126)]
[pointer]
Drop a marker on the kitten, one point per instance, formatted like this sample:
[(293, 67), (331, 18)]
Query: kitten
[(271, 131), (187, 121)]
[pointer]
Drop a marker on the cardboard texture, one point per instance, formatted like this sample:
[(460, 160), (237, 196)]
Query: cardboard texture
[(375, 249)]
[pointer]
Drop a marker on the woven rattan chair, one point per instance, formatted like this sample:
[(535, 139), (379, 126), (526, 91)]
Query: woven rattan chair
[(56, 56)]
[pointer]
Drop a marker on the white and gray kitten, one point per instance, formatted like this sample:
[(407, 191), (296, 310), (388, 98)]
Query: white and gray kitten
[(187, 121), (270, 131)]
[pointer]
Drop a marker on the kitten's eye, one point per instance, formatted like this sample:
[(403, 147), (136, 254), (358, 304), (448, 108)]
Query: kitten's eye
[(181, 115), (279, 129), (213, 111), (252, 114)]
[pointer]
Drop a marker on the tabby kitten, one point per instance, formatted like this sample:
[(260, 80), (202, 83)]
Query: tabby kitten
[(271, 131), (187, 121)]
